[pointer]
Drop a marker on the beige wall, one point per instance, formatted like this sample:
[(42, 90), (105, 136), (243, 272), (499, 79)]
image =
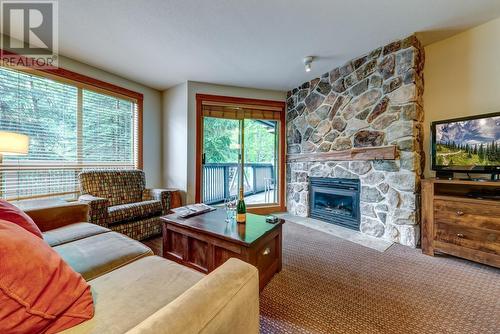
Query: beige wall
[(151, 118), (175, 135), (462, 77), (180, 163)]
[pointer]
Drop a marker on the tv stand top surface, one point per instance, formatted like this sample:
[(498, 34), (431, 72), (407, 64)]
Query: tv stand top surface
[(464, 182)]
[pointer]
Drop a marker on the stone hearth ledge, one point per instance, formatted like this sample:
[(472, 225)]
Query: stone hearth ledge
[(339, 232)]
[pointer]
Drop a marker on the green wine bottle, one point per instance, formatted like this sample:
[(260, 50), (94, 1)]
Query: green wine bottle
[(241, 209)]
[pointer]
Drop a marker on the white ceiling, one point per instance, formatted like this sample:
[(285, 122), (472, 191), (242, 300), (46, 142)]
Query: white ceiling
[(248, 43)]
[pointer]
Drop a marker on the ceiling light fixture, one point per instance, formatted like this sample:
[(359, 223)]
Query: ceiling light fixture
[(307, 63)]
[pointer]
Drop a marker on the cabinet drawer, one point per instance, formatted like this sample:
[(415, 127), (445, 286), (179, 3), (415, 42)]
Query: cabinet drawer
[(467, 213), (470, 237), (267, 255)]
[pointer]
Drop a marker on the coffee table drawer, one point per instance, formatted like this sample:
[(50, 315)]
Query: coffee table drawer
[(267, 254)]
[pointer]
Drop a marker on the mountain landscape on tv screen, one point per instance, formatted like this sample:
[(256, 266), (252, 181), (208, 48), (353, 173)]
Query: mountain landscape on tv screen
[(469, 143)]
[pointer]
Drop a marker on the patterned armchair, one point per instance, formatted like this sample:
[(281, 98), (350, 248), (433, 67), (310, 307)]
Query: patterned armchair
[(119, 200)]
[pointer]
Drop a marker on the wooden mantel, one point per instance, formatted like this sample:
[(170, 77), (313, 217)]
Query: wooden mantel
[(360, 153)]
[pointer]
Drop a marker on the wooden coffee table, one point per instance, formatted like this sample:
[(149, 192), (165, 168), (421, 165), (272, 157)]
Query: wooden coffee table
[(206, 241)]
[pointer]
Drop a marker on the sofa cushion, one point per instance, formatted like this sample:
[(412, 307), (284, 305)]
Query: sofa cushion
[(15, 215), (119, 187), (39, 292), (224, 301), (101, 253), (72, 232), (129, 295), (134, 211)]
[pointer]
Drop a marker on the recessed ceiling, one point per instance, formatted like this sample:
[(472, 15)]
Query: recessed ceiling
[(252, 43)]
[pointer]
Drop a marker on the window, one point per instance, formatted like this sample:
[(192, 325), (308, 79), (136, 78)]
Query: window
[(71, 127)]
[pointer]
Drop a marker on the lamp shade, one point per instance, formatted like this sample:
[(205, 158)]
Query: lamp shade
[(12, 143)]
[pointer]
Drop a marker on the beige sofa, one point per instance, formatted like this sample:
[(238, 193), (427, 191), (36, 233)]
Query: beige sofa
[(137, 292)]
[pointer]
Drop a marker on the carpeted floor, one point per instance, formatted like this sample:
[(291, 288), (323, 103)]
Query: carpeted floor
[(330, 285)]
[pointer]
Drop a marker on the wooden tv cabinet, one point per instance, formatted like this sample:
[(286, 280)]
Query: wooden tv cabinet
[(457, 224)]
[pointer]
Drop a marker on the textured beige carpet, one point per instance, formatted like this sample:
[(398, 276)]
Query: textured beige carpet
[(330, 285)]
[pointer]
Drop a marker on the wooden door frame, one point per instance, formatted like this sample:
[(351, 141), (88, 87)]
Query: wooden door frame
[(200, 98)]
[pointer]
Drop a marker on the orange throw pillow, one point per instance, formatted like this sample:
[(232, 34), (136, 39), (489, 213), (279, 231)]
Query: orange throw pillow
[(13, 214), (39, 292)]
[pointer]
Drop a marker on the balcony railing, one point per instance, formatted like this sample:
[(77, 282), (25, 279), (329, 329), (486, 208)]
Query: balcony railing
[(220, 180)]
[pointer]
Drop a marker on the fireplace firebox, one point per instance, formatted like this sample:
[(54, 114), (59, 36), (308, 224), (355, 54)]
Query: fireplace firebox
[(335, 201)]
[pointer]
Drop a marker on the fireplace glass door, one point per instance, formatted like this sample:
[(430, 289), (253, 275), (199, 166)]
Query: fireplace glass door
[(334, 203)]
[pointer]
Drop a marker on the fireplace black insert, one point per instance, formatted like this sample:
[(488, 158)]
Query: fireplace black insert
[(335, 201)]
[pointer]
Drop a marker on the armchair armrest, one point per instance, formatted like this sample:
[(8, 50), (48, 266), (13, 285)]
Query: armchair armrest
[(98, 209), (162, 195), (57, 216), (225, 301)]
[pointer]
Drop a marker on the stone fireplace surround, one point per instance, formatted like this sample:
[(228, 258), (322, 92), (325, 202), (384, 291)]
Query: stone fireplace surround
[(370, 103)]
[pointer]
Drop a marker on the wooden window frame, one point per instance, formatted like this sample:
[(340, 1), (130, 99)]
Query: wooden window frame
[(85, 82), (200, 98)]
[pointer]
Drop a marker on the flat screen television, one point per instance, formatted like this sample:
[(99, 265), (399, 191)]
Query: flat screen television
[(467, 145)]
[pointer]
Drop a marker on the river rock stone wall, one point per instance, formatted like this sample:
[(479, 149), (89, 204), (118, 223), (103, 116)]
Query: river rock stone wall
[(374, 100)]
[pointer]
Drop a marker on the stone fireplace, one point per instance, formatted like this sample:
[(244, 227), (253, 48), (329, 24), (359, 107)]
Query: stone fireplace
[(335, 201), (361, 121)]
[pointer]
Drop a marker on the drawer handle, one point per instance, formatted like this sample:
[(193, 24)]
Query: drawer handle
[(266, 251), (460, 213), (460, 235)]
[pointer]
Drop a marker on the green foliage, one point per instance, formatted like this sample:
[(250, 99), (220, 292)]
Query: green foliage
[(221, 137), (440, 160), (259, 142), (46, 111), (43, 109), (451, 153)]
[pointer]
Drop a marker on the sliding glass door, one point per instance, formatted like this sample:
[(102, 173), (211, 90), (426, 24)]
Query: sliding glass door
[(231, 146), (221, 156), (260, 161)]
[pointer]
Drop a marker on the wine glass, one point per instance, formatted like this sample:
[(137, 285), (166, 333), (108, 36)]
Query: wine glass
[(230, 206)]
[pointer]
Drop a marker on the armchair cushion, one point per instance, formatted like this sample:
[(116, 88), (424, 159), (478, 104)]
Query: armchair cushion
[(134, 211), (118, 199), (118, 186)]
